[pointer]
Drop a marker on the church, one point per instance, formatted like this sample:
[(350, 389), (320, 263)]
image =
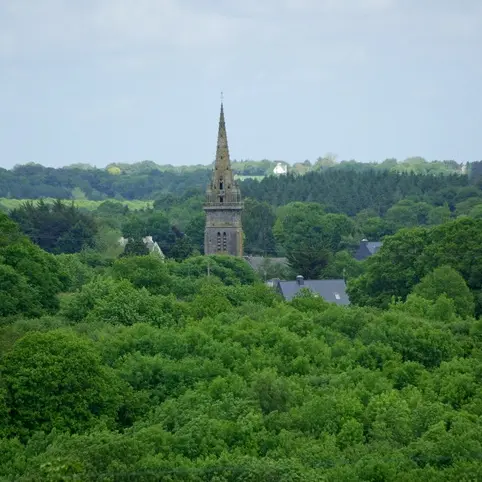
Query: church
[(223, 207)]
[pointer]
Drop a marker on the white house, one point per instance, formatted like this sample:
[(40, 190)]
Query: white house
[(280, 168)]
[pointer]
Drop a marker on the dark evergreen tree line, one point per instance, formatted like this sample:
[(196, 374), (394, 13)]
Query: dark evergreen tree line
[(342, 190), (57, 227), (350, 192)]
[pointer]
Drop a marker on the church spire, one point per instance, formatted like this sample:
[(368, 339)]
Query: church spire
[(223, 162), (223, 188), (223, 206)]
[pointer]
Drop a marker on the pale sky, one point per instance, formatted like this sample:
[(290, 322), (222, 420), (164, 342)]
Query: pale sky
[(102, 81)]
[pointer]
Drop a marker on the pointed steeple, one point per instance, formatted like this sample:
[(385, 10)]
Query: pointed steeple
[(223, 188), (223, 207), (223, 162)]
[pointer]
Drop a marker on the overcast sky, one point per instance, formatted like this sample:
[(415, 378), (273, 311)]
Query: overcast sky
[(103, 81)]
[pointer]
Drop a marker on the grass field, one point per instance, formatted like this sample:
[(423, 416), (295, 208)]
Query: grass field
[(7, 204)]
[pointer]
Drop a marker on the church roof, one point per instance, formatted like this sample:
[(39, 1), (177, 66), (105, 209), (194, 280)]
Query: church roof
[(331, 290), (367, 248)]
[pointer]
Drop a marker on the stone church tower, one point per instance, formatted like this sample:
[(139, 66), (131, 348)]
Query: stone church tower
[(223, 207)]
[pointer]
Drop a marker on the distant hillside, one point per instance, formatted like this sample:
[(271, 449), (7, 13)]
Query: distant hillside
[(147, 180)]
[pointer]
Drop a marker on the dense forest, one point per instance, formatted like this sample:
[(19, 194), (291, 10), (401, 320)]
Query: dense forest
[(120, 366), (117, 363), (147, 180), (316, 220)]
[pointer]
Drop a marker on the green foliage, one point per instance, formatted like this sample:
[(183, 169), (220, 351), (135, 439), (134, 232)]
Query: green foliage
[(9, 231), (16, 295), (411, 254), (446, 281), (148, 272), (258, 221), (270, 268), (248, 388), (73, 271), (309, 236), (181, 249), (300, 231), (343, 265), (56, 380), (349, 191), (195, 370), (30, 277), (135, 247), (228, 269), (56, 227)]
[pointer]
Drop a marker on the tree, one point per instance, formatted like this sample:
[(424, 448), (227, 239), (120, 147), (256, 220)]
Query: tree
[(446, 281), (309, 257), (258, 221), (274, 268), (406, 214), (308, 236), (56, 380), (9, 231), (439, 215), (16, 295), (195, 231), (181, 249), (343, 265), (56, 227), (73, 271), (325, 162), (393, 271), (406, 257), (40, 270), (147, 272), (135, 227), (135, 247)]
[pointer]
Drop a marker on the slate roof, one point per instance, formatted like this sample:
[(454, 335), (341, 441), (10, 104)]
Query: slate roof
[(367, 248), (331, 290)]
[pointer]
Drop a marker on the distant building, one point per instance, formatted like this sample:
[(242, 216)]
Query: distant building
[(367, 249), (280, 169), (151, 245), (331, 290), (223, 233), (123, 241)]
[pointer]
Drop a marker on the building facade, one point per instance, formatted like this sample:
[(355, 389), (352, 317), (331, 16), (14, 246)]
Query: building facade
[(280, 169), (223, 207)]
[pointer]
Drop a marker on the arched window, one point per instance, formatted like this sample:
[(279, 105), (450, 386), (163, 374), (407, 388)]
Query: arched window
[(225, 242), (218, 242)]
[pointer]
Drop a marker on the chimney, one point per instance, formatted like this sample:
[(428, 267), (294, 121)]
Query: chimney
[(300, 280)]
